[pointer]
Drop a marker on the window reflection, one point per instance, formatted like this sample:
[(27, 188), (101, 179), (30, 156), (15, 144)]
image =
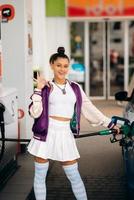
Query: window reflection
[(96, 58), (116, 54), (131, 50), (77, 71)]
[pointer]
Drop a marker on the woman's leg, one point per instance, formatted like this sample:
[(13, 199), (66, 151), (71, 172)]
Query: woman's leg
[(41, 168), (72, 173)]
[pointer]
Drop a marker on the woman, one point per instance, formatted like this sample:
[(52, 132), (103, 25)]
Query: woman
[(56, 107)]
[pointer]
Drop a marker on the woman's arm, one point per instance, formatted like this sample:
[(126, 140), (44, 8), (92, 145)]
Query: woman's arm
[(35, 108), (92, 114)]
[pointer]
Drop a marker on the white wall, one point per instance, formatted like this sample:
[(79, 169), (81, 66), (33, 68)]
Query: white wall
[(39, 36), (17, 64), (13, 48), (57, 35)]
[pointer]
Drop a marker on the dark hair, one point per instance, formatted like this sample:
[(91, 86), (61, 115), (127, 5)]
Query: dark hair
[(60, 54)]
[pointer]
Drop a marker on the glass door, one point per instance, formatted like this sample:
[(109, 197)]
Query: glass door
[(115, 57), (97, 55), (77, 67), (106, 58), (131, 54), (100, 56)]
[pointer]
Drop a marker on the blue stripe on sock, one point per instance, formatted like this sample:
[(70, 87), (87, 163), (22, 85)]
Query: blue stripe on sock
[(39, 180), (78, 187)]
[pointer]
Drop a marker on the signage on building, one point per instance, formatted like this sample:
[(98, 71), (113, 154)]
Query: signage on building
[(7, 12), (103, 8)]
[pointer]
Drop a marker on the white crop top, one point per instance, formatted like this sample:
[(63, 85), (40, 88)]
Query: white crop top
[(62, 105)]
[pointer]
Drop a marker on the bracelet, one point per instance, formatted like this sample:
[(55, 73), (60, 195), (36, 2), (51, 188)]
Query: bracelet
[(36, 89), (37, 92)]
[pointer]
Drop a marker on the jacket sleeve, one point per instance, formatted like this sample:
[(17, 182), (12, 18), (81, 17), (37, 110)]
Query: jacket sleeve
[(36, 108), (92, 114)]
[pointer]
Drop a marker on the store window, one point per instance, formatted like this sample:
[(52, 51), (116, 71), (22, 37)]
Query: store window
[(77, 71), (131, 50), (96, 58), (116, 53), (0, 54)]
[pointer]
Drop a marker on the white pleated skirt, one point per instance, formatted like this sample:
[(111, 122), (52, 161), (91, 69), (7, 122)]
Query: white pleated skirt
[(60, 143)]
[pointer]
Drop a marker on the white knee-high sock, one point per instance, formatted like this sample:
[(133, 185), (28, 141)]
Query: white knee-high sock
[(40, 180), (73, 175)]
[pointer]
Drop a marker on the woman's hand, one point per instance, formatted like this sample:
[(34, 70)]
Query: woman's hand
[(41, 82), (117, 129)]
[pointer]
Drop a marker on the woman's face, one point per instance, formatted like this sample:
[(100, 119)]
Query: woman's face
[(60, 68)]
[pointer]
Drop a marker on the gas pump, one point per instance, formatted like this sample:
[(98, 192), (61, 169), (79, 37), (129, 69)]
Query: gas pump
[(8, 112)]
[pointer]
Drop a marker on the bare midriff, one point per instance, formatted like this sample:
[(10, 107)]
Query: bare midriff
[(60, 118)]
